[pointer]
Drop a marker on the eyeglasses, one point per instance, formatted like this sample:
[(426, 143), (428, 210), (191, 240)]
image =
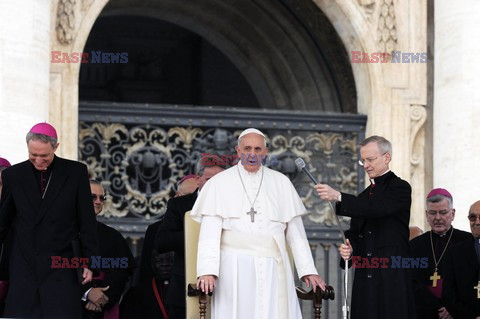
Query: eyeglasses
[(473, 218), (369, 160), (102, 198), (435, 212)]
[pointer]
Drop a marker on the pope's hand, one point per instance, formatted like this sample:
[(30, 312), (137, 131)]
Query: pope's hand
[(314, 281), (346, 250), (326, 192), (206, 283)]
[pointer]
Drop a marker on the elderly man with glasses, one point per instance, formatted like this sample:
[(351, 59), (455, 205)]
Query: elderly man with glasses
[(378, 229), (435, 245), (103, 293), (461, 288)]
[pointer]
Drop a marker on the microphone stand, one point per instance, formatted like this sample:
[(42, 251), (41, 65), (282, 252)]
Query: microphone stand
[(301, 165), (345, 308)]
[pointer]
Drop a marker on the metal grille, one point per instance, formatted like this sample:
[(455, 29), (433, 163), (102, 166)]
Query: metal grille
[(141, 151)]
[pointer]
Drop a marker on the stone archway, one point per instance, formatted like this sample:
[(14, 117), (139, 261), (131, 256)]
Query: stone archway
[(393, 96)]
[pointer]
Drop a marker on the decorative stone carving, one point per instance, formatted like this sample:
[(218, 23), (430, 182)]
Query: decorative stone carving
[(369, 7), (387, 29), (86, 4), (418, 117), (65, 21)]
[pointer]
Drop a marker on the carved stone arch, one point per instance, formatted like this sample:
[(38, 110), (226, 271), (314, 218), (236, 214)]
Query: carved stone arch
[(285, 66), (286, 69)]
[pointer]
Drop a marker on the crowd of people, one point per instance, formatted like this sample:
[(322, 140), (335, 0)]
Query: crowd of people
[(58, 261)]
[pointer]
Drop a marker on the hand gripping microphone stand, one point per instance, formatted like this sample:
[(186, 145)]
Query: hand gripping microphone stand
[(301, 165)]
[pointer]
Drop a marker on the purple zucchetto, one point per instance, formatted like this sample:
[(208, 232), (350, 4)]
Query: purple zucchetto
[(439, 191), (44, 129), (4, 162)]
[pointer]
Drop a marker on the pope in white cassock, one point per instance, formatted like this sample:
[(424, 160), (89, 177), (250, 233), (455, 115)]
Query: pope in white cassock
[(248, 214)]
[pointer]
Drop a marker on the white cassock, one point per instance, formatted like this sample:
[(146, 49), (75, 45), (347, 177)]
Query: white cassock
[(255, 279)]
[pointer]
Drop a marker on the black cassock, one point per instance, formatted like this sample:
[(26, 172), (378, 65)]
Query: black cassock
[(379, 228), (171, 237), (44, 228), (112, 247), (426, 303), (462, 273)]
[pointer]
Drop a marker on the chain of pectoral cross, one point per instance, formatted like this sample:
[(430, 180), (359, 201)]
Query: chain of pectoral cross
[(435, 277), (252, 211)]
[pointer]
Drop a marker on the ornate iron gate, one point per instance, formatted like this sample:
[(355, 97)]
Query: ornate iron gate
[(141, 151)]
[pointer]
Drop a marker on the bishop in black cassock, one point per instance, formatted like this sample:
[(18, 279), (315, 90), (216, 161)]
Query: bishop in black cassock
[(47, 201), (461, 290), (428, 281)]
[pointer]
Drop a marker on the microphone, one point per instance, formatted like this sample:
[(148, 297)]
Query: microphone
[(301, 165)]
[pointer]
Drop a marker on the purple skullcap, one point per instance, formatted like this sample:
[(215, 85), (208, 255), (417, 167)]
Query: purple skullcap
[(4, 162), (44, 129), (439, 191), (184, 178)]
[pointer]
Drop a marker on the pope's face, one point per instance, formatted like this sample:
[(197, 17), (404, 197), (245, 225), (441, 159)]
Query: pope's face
[(374, 162), (40, 154), (252, 151), (475, 224), (439, 216)]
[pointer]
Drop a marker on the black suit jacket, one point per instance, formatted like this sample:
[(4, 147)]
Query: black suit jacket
[(112, 245), (461, 275), (379, 228), (170, 237), (46, 228)]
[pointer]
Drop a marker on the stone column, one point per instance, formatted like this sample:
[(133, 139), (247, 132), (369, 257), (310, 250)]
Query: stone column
[(456, 108), (24, 77)]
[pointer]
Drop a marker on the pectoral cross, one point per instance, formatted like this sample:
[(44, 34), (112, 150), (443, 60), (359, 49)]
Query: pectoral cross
[(252, 213), (478, 289), (434, 278)]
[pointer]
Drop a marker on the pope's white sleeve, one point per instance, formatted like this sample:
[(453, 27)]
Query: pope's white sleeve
[(208, 257), (298, 242)]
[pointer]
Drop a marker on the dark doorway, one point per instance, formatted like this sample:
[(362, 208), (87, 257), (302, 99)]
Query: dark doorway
[(164, 63)]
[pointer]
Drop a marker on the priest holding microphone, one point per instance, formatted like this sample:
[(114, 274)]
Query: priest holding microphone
[(378, 228)]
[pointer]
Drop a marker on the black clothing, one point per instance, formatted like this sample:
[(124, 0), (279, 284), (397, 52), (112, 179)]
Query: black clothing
[(170, 237), (45, 228), (426, 303), (461, 275), (379, 228), (112, 245)]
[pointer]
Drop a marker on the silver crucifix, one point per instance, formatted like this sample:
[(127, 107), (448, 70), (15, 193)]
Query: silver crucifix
[(252, 213)]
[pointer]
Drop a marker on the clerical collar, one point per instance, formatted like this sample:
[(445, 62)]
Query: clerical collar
[(379, 177), (477, 240), (442, 235), (49, 168)]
